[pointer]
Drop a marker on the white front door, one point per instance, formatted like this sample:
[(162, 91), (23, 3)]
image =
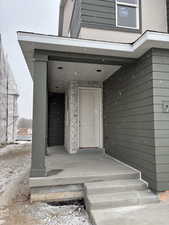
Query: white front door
[(90, 117)]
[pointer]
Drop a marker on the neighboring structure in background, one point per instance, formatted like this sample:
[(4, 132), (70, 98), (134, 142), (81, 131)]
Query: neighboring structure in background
[(3, 98), (24, 134), (8, 101), (24, 130)]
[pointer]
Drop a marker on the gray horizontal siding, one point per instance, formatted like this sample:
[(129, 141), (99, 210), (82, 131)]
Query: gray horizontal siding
[(89, 8), (98, 13), (129, 117), (161, 120), (136, 130)]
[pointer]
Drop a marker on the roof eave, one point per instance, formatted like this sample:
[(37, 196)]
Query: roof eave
[(150, 39)]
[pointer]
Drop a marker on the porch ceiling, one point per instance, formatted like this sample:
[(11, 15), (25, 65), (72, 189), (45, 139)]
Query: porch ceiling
[(60, 73)]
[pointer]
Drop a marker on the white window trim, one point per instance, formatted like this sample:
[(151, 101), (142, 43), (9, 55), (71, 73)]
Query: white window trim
[(137, 6)]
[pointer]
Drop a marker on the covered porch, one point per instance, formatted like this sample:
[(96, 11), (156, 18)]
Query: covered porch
[(68, 103), (128, 75)]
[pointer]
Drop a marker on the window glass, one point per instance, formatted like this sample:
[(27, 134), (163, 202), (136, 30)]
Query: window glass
[(126, 16), (128, 1)]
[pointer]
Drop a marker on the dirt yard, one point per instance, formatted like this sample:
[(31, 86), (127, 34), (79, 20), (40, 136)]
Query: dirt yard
[(15, 207)]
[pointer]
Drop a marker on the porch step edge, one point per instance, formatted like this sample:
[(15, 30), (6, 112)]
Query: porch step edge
[(120, 199), (54, 180), (105, 216), (114, 186), (57, 193)]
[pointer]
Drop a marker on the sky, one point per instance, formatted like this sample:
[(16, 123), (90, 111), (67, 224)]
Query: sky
[(39, 16)]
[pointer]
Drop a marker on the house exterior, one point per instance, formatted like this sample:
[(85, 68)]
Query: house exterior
[(114, 21), (104, 83), (8, 101)]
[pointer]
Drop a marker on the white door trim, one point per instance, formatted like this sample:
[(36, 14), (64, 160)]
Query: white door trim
[(100, 91)]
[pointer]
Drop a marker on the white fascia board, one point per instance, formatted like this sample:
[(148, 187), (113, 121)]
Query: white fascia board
[(152, 38), (70, 42), (30, 41), (147, 41)]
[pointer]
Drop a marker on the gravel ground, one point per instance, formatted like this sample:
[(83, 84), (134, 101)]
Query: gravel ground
[(15, 208)]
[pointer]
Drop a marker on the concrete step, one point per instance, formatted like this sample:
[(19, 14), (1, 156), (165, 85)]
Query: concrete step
[(69, 179), (119, 199), (150, 214), (57, 193), (114, 186)]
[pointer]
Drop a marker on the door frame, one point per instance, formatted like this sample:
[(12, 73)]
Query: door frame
[(100, 92)]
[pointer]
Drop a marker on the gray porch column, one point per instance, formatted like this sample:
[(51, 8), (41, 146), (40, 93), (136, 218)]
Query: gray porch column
[(39, 116)]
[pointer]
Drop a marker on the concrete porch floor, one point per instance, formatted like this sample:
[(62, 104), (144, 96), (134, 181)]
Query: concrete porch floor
[(86, 166)]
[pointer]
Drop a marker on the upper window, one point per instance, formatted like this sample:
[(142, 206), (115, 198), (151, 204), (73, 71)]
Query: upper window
[(127, 14)]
